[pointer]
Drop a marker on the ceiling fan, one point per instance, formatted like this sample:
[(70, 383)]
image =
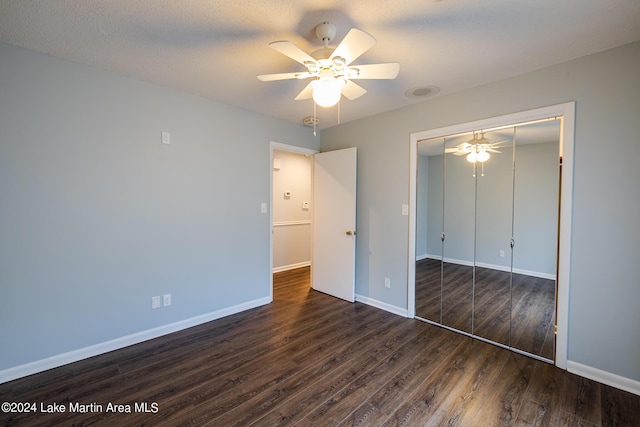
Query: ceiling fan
[(331, 69), (476, 149)]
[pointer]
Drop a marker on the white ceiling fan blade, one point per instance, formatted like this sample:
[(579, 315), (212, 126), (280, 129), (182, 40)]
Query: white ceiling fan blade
[(461, 153), (306, 93), (283, 76), (374, 71), (501, 143), (354, 44), (352, 91), (292, 51), (452, 150), (492, 150)]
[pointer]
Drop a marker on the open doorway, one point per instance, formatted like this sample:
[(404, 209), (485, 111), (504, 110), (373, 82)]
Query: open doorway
[(329, 216), (291, 207)]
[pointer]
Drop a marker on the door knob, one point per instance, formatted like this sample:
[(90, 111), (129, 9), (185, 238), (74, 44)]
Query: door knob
[(351, 233)]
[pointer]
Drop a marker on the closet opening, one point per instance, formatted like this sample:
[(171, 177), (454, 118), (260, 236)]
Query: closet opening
[(489, 230)]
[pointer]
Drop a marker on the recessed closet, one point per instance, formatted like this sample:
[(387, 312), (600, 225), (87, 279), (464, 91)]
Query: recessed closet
[(486, 234)]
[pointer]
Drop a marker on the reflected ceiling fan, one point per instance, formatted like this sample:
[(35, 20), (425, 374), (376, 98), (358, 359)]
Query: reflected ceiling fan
[(476, 149), (331, 69)]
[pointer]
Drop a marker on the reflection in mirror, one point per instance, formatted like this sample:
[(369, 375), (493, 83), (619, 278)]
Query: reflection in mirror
[(494, 189), (429, 195), (535, 233), (474, 280), (458, 247)]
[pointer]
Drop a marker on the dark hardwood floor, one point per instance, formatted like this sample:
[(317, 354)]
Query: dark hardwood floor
[(309, 359), (532, 310)]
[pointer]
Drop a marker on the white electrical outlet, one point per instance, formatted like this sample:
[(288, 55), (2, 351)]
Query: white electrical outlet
[(501, 252), (155, 302), (263, 207), (387, 282), (166, 300), (166, 138)]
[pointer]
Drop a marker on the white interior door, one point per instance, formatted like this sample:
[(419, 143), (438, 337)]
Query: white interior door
[(334, 223)]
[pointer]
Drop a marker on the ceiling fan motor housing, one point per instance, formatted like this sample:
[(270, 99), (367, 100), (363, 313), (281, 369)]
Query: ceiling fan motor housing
[(326, 32)]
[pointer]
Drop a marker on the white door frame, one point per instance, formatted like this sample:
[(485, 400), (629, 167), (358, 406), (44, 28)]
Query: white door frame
[(567, 142), (291, 149)]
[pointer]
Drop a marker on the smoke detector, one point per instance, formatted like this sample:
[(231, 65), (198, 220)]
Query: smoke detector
[(310, 121), (423, 91)]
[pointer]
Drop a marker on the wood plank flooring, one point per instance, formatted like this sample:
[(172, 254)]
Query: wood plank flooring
[(308, 359), (531, 314)]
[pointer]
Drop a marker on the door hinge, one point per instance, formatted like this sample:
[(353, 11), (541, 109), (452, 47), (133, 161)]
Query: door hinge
[(555, 329)]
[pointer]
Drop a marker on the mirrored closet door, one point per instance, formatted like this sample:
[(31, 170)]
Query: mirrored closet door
[(494, 225), (458, 242), (486, 234)]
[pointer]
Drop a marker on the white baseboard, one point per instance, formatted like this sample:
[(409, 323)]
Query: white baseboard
[(382, 305), (604, 377), (118, 343), (539, 274), (291, 266), (449, 260), (542, 275)]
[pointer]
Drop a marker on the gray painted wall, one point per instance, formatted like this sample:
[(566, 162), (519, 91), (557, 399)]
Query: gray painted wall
[(605, 288), (535, 208), (98, 216), (422, 206)]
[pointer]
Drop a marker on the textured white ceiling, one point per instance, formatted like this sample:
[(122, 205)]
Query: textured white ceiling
[(216, 48)]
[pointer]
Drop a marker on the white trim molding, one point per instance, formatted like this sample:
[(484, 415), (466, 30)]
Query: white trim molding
[(118, 343), (291, 266), (504, 268), (289, 223), (382, 305), (604, 377)]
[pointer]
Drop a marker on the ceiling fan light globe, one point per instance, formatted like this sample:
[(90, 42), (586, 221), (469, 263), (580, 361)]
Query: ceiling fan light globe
[(482, 156), (471, 157), (326, 92)]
